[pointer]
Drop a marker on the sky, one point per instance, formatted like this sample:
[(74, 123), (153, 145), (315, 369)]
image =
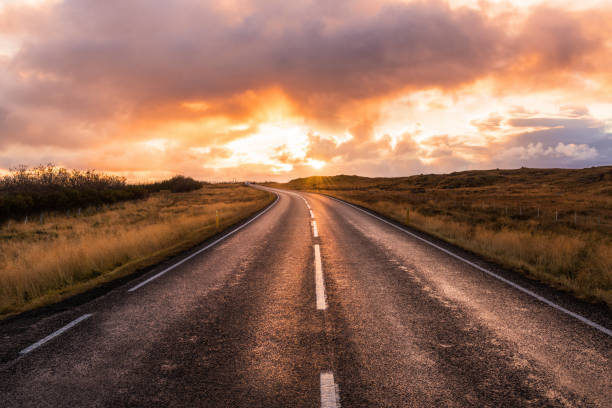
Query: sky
[(275, 89)]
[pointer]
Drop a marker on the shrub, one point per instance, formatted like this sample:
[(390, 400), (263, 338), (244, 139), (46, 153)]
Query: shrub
[(177, 184)]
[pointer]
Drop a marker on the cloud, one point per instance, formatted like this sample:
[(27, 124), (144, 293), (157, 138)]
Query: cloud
[(567, 151), (543, 122), (575, 111), (491, 123), (91, 74), (90, 54), (560, 141)]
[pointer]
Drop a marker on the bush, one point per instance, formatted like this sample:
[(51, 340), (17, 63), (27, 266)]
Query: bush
[(28, 191), (177, 184)]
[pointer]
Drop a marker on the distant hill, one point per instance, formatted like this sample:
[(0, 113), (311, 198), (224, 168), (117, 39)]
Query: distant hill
[(595, 179)]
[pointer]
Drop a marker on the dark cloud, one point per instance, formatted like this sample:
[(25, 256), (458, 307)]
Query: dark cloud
[(575, 111), (559, 38), (188, 49), (554, 122), (96, 60)]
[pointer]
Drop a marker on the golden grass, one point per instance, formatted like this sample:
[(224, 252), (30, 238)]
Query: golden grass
[(509, 220), (44, 263)]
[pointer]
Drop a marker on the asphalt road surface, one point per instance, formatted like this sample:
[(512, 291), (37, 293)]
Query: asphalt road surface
[(349, 311)]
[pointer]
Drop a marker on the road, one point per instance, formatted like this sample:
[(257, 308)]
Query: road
[(283, 313)]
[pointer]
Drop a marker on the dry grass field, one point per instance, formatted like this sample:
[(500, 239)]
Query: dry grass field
[(44, 263), (554, 225)]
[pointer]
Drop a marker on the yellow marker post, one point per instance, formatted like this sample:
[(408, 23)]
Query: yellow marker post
[(217, 212)]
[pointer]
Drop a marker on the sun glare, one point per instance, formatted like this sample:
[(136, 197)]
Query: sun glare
[(256, 148), (315, 164)]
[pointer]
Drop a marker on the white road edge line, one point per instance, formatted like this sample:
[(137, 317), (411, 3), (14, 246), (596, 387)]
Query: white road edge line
[(319, 283), (55, 334), (329, 391), (315, 231), (311, 214), (493, 274), (157, 275)]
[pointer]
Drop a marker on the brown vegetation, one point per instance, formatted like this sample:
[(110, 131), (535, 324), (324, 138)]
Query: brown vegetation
[(43, 263), (27, 192), (551, 224)]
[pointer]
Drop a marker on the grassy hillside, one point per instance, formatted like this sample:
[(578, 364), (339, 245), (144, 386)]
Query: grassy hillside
[(42, 263), (551, 224)]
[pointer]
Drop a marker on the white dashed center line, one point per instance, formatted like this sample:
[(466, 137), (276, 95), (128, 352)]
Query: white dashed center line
[(329, 391), (311, 214), (319, 284), (315, 231)]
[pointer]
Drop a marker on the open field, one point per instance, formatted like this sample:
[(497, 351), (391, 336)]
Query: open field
[(44, 263), (554, 225)]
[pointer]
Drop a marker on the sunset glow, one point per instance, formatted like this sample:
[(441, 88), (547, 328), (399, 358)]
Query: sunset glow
[(271, 90)]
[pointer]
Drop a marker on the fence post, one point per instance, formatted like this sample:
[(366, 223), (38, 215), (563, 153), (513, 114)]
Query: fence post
[(217, 217), (538, 212), (556, 215), (575, 218), (26, 220)]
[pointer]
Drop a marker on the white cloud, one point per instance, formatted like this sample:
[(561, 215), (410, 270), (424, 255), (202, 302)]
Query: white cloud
[(576, 152), (564, 151)]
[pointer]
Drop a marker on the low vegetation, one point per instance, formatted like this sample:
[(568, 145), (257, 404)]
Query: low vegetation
[(42, 263), (29, 192), (177, 184), (554, 225)]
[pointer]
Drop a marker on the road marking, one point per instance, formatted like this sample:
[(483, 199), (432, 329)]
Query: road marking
[(311, 214), (329, 391), (492, 274), (55, 334), (319, 284), (315, 231), (157, 275)]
